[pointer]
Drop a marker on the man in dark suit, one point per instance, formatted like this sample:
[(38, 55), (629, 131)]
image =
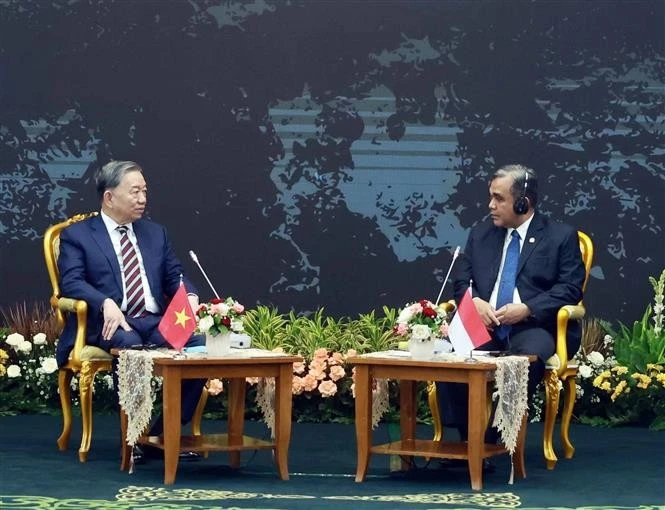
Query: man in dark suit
[(522, 267), (125, 269)]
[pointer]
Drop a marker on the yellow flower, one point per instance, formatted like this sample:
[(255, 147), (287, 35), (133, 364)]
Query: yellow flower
[(643, 380), (618, 390), (619, 369), (3, 356), (598, 381), (3, 370), (605, 386), (654, 366), (661, 379)]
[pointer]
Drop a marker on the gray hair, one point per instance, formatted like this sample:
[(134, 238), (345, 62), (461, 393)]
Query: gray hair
[(519, 174), (110, 175)]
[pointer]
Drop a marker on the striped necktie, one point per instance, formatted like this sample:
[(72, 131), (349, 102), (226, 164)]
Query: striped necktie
[(507, 282), (132, 273)]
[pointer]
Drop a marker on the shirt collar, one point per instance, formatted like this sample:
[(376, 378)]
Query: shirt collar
[(111, 224), (522, 229)]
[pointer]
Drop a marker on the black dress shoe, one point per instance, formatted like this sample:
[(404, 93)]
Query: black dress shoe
[(152, 452)]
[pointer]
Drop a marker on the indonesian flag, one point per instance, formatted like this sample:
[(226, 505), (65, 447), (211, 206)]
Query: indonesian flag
[(466, 330), (178, 322)]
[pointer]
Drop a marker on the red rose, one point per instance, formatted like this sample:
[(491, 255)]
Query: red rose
[(226, 322), (429, 312), (215, 301)]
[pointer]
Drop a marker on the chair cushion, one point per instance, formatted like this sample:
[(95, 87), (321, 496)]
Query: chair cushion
[(93, 353)]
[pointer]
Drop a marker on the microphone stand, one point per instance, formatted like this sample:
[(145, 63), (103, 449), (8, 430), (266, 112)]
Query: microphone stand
[(196, 261)]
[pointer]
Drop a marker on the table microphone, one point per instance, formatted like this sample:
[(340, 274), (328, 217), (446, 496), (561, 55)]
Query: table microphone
[(196, 261), (445, 280)]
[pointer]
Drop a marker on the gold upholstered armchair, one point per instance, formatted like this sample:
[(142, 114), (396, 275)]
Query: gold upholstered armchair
[(84, 360), (560, 373)]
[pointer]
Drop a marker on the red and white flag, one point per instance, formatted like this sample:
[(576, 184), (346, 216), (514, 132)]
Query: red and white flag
[(178, 322), (466, 330)]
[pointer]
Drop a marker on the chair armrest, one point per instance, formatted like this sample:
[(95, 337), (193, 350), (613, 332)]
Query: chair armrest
[(565, 314), (80, 308)]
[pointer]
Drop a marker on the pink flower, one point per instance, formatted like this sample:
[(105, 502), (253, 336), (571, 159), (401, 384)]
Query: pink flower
[(215, 387), (336, 358), (321, 353), (327, 388), (220, 308), (402, 329), (238, 308), (353, 390), (297, 385), (317, 372), (444, 329), (298, 367), (350, 353), (337, 372), (309, 382), (252, 380)]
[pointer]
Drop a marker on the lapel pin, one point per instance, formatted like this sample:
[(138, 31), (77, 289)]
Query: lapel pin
[(532, 240)]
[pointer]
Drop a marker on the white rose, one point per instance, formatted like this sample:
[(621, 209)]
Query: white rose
[(596, 358), (13, 371), (237, 326), (224, 308), (49, 365), (420, 332), (39, 339), (405, 316), (585, 371), (206, 323), (15, 339), (24, 347)]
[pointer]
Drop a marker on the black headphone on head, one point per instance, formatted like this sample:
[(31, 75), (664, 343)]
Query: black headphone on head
[(521, 205)]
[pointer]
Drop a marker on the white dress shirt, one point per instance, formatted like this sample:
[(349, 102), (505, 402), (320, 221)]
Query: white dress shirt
[(150, 302)]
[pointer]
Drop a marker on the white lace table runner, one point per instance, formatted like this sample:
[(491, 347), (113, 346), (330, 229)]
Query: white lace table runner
[(135, 390)]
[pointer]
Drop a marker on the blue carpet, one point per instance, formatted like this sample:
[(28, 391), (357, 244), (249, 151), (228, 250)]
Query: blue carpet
[(612, 468)]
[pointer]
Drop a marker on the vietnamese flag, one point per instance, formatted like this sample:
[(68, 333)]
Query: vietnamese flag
[(178, 322), (466, 330)]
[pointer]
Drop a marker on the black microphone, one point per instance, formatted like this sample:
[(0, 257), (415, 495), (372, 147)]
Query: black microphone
[(196, 261)]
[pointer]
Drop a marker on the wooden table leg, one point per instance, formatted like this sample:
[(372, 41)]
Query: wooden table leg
[(236, 420), (476, 440), (283, 404), (172, 377), (407, 416), (125, 449), (363, 420)]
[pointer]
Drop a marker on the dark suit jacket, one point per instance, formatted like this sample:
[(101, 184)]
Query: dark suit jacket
[(89, 270), (550, 272)]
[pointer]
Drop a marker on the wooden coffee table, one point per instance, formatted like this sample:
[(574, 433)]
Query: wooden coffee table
[(235, 369), (476, 375)]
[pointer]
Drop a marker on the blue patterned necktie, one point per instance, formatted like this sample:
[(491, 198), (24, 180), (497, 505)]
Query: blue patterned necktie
[(507, 282)]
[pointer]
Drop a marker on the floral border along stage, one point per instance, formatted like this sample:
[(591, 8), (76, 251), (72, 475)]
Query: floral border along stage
[(422, 320)]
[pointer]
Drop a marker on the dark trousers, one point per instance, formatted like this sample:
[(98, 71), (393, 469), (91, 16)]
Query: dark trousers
[(453, 397), (144, 332)]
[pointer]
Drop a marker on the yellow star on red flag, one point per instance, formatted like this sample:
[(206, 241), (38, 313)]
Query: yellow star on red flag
[(182, 318)]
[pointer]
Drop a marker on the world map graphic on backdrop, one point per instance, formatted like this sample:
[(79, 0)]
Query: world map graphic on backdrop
[(336, 171)]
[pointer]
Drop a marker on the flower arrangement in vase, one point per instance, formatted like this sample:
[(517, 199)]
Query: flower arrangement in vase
[(217, 320), (422, 322)]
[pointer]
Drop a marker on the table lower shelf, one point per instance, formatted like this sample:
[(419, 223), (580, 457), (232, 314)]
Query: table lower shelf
[(437, 449), (212, 443)]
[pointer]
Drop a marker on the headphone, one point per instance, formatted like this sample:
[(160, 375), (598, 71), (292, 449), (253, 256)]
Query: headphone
[(521, 205)]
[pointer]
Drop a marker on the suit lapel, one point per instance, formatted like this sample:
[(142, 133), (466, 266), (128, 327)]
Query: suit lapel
[(145, 243), (495, 251), (533, 236), (101, 236)]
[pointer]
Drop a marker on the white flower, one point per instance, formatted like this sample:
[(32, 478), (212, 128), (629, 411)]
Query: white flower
[(49, 365), (405, 316), (596, 358), (24, 347), (206, 323), (420, 332), (13, 371), (237, 325), (15, 339), (39, 339), (585, 371)]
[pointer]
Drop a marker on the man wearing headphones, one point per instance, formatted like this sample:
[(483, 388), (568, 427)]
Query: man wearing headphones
[(522, 267)]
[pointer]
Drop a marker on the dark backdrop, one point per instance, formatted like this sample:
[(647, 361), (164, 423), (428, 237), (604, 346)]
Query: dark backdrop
[(333, 153)]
